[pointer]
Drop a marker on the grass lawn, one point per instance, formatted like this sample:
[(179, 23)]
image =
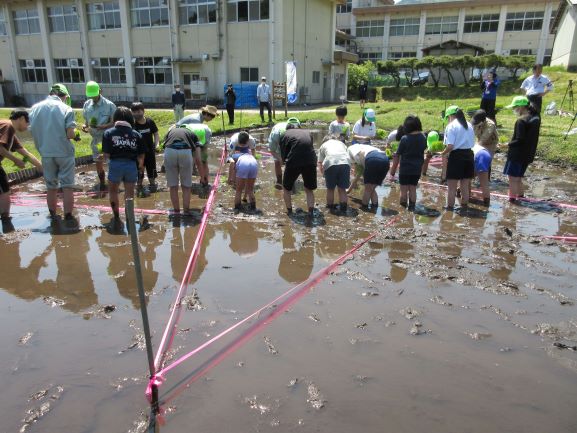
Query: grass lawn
[(426, 102)]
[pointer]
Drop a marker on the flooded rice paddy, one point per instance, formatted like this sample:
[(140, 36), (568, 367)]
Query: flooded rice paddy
[(449, 323)]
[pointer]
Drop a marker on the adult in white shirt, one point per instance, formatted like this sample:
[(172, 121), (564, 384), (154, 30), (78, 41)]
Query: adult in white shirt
[(365, 128), (264, 96), (536, 86), (334, 164), (459, 141)]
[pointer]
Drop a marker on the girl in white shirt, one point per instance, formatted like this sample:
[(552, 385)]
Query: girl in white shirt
[(459, 139), (365, 128)]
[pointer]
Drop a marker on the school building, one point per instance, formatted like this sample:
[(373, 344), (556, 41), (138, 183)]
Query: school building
[(138, 49), (565, 27), (382, 29)]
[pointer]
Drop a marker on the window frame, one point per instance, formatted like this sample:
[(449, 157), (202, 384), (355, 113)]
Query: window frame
[(31, 16), (38, 69), (137, 10), (521, 21), (394, 55), (443, 21), (114, 11), (346, 8), (395, 25), (373, 28), (252, 73), (232, 10), (58, 14), (209, 8), (481, 23), (64, 73), (165, 69), (3, 29), (109, 65)]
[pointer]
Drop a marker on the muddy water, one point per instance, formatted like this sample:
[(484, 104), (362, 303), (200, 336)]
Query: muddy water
[(444, 324)]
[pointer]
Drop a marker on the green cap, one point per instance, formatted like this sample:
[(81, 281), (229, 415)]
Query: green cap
[(519, 101), (451, 110), (432, 137), (198, 129), (293, 121), (60, 88), (370, 115), (92, 89)]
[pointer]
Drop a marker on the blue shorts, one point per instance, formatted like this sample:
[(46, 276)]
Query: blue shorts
[(483, 161), (514, 168), (376, 168), (122, 170), (338, 176), (246, 166)]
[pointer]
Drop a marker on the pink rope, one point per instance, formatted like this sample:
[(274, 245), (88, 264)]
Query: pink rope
[(562, 238), (292, 295), (170, 330)]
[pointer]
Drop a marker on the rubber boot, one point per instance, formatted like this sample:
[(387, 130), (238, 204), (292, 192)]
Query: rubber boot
[(7, 226)]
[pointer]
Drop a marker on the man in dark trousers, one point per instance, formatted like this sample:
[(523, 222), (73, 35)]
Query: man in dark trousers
[(230, 97), (178, 103), (363, 94), (298, 154), (264, 97)]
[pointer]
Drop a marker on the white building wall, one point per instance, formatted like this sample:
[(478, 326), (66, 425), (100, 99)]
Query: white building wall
[(565, 47)]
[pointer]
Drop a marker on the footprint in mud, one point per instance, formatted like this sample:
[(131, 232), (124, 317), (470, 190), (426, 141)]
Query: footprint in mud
[(303, 218), (423, 210), (539, 206), (315, 398), (47, 397)]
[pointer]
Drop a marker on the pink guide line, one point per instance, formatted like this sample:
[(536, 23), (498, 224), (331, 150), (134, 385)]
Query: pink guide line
[(562, 238), (299, 290), (496, 194), (170, 330)]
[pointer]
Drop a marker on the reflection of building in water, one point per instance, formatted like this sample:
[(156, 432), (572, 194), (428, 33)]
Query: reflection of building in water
[(121, 264), (73, 281), (296, 262), (243, 238), (181, 247)]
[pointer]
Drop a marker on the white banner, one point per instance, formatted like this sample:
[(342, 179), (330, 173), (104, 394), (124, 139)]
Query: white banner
[(291, 81)]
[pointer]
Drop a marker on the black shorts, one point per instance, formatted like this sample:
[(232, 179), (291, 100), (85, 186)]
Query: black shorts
[(461, 164), (409, 179), (291, 174), (376, 168), (150, 164), (4, 186)]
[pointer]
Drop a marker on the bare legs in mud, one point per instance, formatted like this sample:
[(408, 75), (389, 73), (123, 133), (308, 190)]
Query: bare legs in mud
[(464, 185)]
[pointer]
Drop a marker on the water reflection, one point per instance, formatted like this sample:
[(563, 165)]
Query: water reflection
[(243, 238), (180, 248), (503, 251), (297, 259)]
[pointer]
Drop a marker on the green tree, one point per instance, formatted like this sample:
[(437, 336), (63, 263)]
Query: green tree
[(389, 67), (358, 73), (408, 64), (464, 64), (430, 63), (446, 63), (515, 63)]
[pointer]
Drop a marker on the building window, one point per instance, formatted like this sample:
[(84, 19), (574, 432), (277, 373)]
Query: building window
[(402, 54), (249, 74), (153, 70), (373, 56), (149, 13), (62, 19), (370, 29), (316, 77), (242, 10), (2, 23), (69, 70), (404, 27), (26, 22), (103, 16), (109, 70), (346, 8), (481, 23), (197, 12), (34, 71), (523, 21), (552, 21), (441, 25), (521, 52)]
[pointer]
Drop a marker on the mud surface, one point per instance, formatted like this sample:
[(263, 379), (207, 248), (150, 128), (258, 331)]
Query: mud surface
[(444, 322)]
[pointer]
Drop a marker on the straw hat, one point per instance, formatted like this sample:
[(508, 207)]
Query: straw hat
[(210, 109)]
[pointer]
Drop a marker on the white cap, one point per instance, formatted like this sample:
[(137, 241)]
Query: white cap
[(262, 78)]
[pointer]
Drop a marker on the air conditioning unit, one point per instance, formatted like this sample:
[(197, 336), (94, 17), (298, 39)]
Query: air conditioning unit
[(205, 56), (29, 63), (134, 60), (73, 63), (121, 61), (95, 62)]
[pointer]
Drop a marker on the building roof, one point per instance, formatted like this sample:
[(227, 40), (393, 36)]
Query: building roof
[(453, 44), (413, 2)]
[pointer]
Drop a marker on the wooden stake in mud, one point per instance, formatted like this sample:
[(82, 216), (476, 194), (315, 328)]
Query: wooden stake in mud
[(131, 225)]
